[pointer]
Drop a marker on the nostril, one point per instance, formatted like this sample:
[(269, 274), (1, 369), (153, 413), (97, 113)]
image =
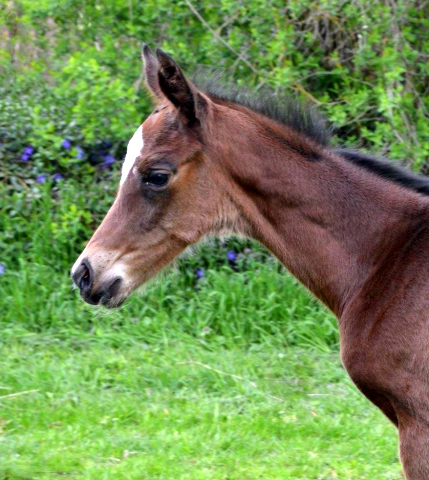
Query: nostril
[(111, 292), (85, 279), (83, 276), (114, 287)]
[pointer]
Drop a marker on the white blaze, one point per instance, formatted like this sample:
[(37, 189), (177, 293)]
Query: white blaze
[(133, 151)]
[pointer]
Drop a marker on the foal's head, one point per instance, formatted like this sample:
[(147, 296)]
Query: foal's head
[(169, 197)]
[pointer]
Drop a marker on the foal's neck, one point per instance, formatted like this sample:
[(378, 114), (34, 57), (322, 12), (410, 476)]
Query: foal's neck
[(331, 223)]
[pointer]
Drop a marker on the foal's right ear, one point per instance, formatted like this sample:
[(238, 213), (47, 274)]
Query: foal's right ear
[(151, 71), (166, 81)]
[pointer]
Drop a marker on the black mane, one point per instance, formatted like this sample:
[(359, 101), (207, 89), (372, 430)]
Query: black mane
[(386, 169), (304, 119)]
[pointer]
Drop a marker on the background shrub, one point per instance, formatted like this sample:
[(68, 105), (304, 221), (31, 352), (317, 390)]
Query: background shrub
[(71, 71)]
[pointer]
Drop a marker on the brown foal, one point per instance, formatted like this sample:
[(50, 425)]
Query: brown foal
[(351, 228)]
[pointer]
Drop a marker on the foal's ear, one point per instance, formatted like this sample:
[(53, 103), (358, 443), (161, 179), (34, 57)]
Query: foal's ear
[(181, 93), (151, 71)]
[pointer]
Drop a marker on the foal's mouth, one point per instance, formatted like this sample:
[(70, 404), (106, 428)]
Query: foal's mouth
[(112, 306), (105, 298)]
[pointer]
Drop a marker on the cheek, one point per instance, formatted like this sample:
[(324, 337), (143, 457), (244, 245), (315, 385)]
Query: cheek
[(142, 212)]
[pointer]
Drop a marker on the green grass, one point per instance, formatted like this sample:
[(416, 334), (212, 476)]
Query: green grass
[(232, 377), (179, 411)]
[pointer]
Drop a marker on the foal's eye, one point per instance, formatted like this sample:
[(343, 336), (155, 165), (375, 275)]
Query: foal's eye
[(156, 179)]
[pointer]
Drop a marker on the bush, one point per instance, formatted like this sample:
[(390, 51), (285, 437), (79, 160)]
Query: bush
[(72, 75)]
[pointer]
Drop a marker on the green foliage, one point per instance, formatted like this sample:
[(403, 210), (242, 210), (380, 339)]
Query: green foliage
[(103, 106), (71, 70), (180, 411)]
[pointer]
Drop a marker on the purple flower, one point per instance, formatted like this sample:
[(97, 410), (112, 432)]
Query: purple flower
[(232, 256), (79, 152), (28, 151), (57, 177), (199, 272), (66, 144), (2, 269), (108, 160), (41, 178)]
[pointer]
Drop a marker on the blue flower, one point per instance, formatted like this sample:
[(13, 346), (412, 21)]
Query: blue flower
[(57, 177), (80, 152), (2, 269), (232, 256), (41, 178), (199, 272), (66, 144), (28, 151), (108, 160)]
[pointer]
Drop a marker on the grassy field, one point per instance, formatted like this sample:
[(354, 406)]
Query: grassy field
[(232, 376), (179, 410)]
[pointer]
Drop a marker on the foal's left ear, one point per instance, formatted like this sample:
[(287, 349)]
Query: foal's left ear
[(151, 71), (181, 93)]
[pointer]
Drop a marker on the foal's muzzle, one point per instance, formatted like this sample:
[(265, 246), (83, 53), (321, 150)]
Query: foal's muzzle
[(84, 279)]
